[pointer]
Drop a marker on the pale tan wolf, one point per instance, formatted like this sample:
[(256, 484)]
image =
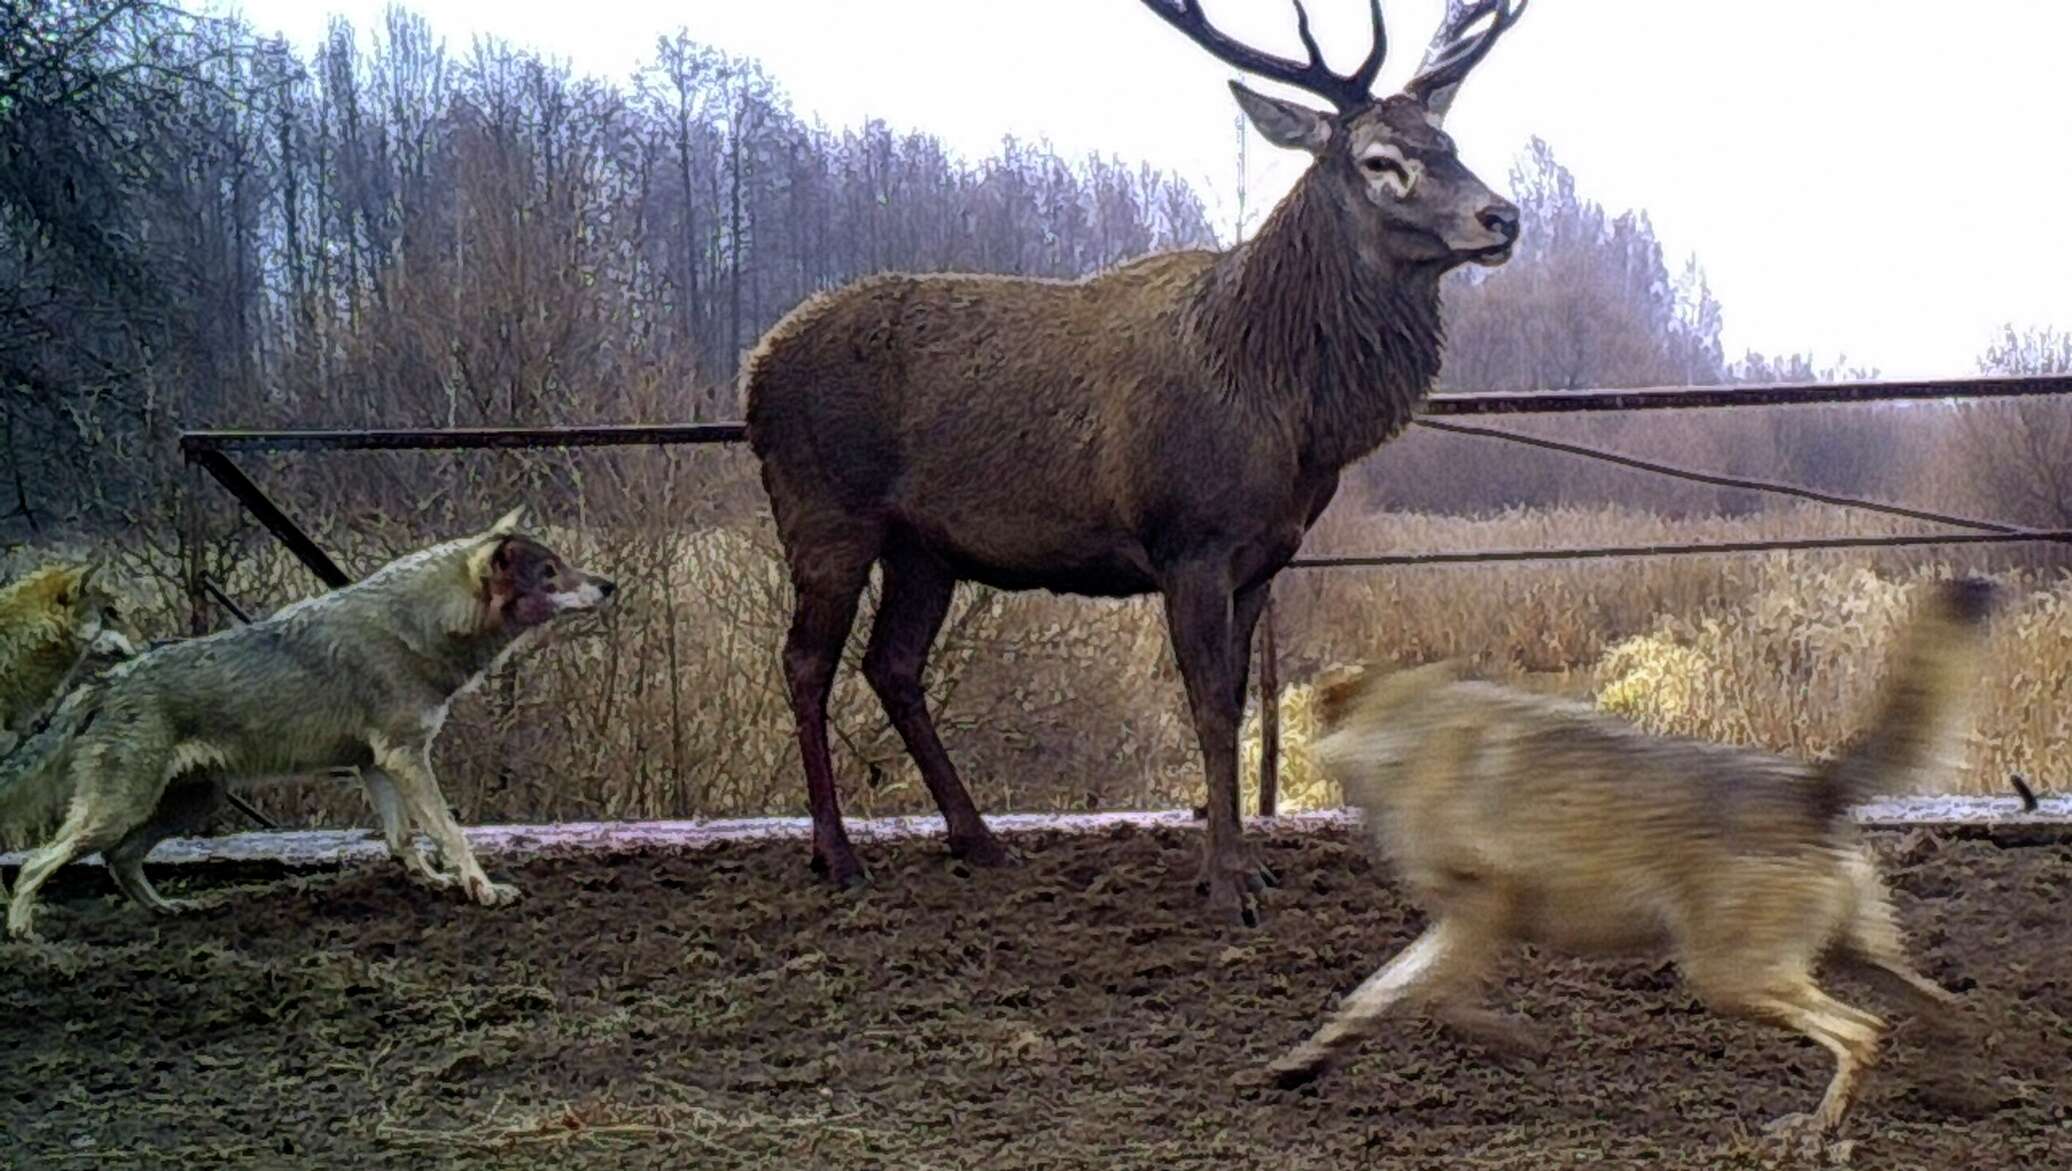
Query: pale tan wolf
[(1514, 817), (53, 620), (361, 677)]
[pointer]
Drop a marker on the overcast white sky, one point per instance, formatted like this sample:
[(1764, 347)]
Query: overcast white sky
[(1888, 179)]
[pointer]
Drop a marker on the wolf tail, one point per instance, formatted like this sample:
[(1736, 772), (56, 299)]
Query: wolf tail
[(1920, 708), (33, 777)]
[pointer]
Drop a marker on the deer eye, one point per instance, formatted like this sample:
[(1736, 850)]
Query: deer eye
[(1378, 165)]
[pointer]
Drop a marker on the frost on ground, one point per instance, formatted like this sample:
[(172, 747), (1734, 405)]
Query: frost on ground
[(326, 847)]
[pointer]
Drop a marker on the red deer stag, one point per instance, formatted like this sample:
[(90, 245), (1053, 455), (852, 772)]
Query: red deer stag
[(1174, 424)]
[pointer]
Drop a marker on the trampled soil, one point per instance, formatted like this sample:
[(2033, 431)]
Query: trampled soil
[(716, 1008)]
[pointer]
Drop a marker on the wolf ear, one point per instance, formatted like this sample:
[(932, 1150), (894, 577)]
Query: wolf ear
[(482, 557), (1336, 689), (66, 584), (507, 523)]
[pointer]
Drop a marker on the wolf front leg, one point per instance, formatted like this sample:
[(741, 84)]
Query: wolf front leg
[(410, 768), (1432, 970), (396, 830)]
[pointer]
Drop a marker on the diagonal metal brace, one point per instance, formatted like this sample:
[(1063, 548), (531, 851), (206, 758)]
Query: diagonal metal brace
[(267, 513)]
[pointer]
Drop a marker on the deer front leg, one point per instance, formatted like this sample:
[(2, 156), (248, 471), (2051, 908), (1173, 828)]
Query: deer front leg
[(1202, 623), (410, 767), (1246, 608)]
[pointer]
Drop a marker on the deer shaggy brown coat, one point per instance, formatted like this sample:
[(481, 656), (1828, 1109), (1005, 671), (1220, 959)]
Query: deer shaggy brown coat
[(1173, 425)]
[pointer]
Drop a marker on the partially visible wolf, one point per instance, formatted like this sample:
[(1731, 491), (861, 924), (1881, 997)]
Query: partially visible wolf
[(1521, 818), (53, 620), (361, 677)]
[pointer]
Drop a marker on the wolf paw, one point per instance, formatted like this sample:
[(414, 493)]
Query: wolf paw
[(1804, 1137), (492, 894), (423, 874), (1294, 1070)]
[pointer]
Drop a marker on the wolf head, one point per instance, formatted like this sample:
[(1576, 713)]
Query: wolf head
[(74, 603), (524, 584)]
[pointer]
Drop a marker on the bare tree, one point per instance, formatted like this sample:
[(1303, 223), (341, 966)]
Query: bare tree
[(1173, 425), (2017, 456)]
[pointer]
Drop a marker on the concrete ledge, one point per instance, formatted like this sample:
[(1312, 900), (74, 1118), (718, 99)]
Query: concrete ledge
[(2001, 818)]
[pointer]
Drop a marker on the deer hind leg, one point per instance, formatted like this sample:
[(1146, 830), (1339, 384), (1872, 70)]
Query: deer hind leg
[(914, 602), (829, 578), (1245, 610)]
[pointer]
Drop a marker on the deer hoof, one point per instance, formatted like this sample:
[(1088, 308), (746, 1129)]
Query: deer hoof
[(841, 869), (1231, 897), (982, 849)]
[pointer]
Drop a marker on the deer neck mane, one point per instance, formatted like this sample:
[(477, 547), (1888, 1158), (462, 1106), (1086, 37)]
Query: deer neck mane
[(1312, 325)]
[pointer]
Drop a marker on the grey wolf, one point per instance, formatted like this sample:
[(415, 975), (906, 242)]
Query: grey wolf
[(361, 677), (1513, 818), (53, 620), (1173, 425)]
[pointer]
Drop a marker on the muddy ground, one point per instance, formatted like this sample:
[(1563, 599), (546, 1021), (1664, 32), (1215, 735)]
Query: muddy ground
[(714, 1008)]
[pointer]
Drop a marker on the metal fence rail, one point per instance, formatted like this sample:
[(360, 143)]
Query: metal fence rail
[(211, 451)]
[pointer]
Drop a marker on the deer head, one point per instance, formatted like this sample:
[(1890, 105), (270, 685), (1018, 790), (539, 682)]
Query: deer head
[(1386, 161)]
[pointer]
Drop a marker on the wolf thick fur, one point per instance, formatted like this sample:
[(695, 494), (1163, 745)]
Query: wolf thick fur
[(52, 621), (1520, 818), (358, 678)]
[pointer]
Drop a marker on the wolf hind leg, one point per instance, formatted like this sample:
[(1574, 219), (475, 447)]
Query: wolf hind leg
[(116, 775), (184, 809)]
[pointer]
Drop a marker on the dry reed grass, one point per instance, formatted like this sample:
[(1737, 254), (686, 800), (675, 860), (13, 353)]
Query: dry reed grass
[(673, 706)]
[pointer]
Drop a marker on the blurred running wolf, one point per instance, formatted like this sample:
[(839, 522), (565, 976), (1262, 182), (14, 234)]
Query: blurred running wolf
[(53, 621), (361, 677), (1520, 818)]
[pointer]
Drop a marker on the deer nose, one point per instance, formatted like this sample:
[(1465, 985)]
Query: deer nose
[(607, 586), (1500, 218)]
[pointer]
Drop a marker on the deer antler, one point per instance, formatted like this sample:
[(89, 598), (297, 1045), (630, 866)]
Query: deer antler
[(1348, 92), (1453, 52)]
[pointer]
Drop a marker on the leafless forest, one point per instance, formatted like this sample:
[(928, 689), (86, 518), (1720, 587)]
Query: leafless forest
[(202, 227)]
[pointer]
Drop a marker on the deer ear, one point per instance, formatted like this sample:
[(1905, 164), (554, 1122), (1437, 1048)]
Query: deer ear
[(507, 523), (1287, 124)]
